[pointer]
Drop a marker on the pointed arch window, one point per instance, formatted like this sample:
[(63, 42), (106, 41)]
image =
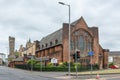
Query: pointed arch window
[(81, 43), (82, 40)]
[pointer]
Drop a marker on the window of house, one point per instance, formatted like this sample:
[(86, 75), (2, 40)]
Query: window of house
[(42, 46), (46, 45), (89, 46), (50, 43), (81, 40), (76, 43), (76, 33), (56, 41), (72, 45), (81, 43)]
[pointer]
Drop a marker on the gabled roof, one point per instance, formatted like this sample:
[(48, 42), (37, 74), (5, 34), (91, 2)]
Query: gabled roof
[(2, 54), (18, 59), (114, 53), (58, 35), (52, 37), (80, 20)]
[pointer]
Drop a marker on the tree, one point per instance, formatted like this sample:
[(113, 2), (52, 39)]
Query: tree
[(31, 62), (16, 54)]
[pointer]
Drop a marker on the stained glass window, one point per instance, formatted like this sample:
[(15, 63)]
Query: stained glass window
[(82, 41)]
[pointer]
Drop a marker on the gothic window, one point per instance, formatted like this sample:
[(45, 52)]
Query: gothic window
[(90, 47), (72, 45), (76, 33), (81, 40), (76, 43), (81, 43)]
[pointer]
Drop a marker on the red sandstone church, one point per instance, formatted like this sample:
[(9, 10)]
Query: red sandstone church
[(83, 38)]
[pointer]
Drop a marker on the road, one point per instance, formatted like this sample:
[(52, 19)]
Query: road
[(17, 74), (7, 73), (101, 77), (112, 77)]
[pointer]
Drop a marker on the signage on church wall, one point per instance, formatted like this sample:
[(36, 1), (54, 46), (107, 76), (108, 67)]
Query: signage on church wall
[(91, 53), (54, 60)]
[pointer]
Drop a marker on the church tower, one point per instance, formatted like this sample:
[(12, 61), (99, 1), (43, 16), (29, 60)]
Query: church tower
[(11, 45)]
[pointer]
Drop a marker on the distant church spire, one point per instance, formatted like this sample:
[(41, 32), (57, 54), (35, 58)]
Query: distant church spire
[(29, 40)]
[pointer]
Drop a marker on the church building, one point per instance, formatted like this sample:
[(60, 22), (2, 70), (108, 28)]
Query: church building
[(82, 38)]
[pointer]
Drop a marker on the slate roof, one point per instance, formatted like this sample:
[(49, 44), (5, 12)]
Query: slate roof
[(56, 36), (41, 59), (51, 38), (77, 21), (114, 53), (2, 54), (18, 59)]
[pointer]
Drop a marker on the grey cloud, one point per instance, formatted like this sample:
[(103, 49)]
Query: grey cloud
[(38, 18)]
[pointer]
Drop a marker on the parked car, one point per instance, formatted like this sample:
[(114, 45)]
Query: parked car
[(114, 67)]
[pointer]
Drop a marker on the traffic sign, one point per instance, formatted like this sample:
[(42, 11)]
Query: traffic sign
[(91, 53)]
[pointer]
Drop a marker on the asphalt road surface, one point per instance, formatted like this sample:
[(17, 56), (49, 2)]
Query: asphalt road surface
[(16, 74), (7, 73), (113, 77)]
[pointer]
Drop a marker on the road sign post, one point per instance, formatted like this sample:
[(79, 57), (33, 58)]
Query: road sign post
[(91, 53)]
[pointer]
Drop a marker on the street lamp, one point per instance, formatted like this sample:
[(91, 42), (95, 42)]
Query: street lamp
[(69, 34)]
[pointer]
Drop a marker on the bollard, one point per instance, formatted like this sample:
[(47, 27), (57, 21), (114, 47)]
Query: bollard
[(97, 76)]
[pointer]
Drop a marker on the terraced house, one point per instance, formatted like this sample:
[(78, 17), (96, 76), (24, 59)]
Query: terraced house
[(83, 38)]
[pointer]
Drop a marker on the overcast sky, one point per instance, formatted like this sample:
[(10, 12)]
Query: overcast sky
[(37, 18)]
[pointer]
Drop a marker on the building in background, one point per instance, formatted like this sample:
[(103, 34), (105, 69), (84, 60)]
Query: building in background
[(83, 38), (2, 58), (25, 53), (29, 49), (56, 46), (114, 57), (11, 47)]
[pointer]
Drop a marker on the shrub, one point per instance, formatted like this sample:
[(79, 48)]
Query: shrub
[(96, 66), (33, 62), (111, 64)]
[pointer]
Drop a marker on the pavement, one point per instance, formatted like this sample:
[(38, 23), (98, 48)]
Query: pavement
[(63, 76), (81, 75)]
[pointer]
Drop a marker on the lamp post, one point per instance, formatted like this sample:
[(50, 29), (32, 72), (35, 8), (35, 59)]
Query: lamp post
[(69, 35), (41, 63)]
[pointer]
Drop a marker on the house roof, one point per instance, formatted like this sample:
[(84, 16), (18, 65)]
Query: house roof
[(42, 59), (114, 53), (81, 19), (57, 35), (2, 54), (18, 59), (51, 38)]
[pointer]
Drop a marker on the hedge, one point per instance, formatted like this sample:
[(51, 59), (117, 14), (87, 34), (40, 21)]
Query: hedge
[(55, 68)]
